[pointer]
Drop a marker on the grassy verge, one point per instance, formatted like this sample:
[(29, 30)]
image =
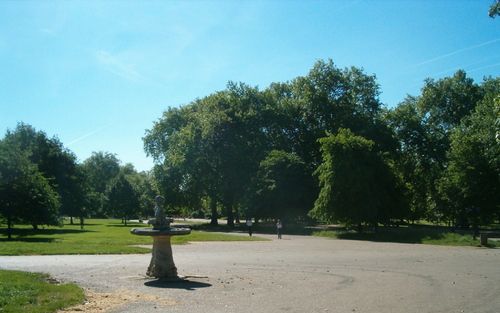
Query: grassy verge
[(421, 235), (22, 292), (103, 236)]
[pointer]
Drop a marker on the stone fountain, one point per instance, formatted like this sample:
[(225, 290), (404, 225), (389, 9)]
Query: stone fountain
[(162, 263)]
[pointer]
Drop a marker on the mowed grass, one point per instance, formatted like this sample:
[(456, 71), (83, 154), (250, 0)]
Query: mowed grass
[(99, 236), (420, 235), (22, 292)]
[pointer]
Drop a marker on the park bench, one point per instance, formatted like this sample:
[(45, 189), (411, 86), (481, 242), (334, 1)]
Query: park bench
[(484, 235)]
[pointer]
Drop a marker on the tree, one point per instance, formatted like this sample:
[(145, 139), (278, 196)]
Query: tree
[(470, 186), (357, 185), (143, 184), (423, 126), (100, 169), (25, 194), (123, 199), (494, 10), (56, 163), (413, 160), (211, 147), (282, 188)]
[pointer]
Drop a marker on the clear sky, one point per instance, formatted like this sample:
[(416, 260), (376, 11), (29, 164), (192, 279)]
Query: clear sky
[(98, 73)]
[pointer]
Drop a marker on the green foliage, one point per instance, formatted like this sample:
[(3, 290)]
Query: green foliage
[(357, 185), (100, 169), (433, 131), (213, 148), (282, 188), (55, 163), (470, 186), (494, 10), (123, 199), (22, 292), (25, 194), (413, 161)]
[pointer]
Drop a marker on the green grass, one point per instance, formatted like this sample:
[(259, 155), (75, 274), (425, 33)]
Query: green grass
[(22, 292), (100, 236), (412, 234)]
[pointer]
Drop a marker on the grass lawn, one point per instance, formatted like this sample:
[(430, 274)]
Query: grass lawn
[(100, 236), (22, 292), (411, 234)]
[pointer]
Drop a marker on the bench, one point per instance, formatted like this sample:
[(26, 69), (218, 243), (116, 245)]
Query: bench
[(484, 235)]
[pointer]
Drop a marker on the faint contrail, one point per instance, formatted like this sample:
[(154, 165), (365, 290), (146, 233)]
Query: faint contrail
[(465, 67), (484, 67), (95, 131), (457, 52)]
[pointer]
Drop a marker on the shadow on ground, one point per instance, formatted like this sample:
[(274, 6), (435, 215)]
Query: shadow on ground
[(22, 239), (24, 232), (398, 235), (181, 284), (128, 225)]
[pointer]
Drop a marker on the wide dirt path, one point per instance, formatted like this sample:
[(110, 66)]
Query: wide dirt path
[(296, 274)]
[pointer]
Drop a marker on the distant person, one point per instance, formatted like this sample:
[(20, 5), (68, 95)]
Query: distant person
[(249, 226), (279, 226)]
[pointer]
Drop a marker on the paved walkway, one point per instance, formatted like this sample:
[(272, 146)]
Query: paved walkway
[(296, 274)]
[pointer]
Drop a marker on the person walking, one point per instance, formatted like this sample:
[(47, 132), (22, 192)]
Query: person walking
[(249, 226), (279, 226)]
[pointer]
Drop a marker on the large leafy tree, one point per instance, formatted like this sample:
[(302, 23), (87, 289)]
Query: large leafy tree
[(123, 198), (326, 99), (423, 126), (56, 163), (210, 148), (144, 187), (470, 186), (25, 194), (184, 173), (100, 169), (357, 185), (413, 159)]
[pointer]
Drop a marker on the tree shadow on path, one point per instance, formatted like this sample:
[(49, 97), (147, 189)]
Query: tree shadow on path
[(181, 284)]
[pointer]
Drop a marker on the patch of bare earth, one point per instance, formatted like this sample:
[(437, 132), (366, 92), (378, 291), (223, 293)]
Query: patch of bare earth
[(97, 302)]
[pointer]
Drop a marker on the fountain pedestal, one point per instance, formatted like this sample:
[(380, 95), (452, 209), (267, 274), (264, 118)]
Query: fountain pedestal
[(162, 264)]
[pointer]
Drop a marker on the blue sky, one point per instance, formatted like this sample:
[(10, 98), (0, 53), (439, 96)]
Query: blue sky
[(98, 73)]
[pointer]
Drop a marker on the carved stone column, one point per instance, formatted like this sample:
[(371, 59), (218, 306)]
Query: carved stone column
[(162, 264)]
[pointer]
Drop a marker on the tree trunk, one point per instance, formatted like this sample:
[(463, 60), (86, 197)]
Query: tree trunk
[(81, 222), (125, 221), (360, 228), (230, 216), (237, 214), (9, 227), (213, 210), (35, 226), (71, 220)]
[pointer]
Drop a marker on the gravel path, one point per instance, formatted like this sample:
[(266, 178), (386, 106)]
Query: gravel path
[(296, 274)]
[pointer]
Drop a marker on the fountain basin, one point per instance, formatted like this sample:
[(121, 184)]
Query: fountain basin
[(173, 231)]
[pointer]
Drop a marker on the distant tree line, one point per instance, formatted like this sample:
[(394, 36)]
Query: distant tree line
[(41, 181), (320, 147)]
